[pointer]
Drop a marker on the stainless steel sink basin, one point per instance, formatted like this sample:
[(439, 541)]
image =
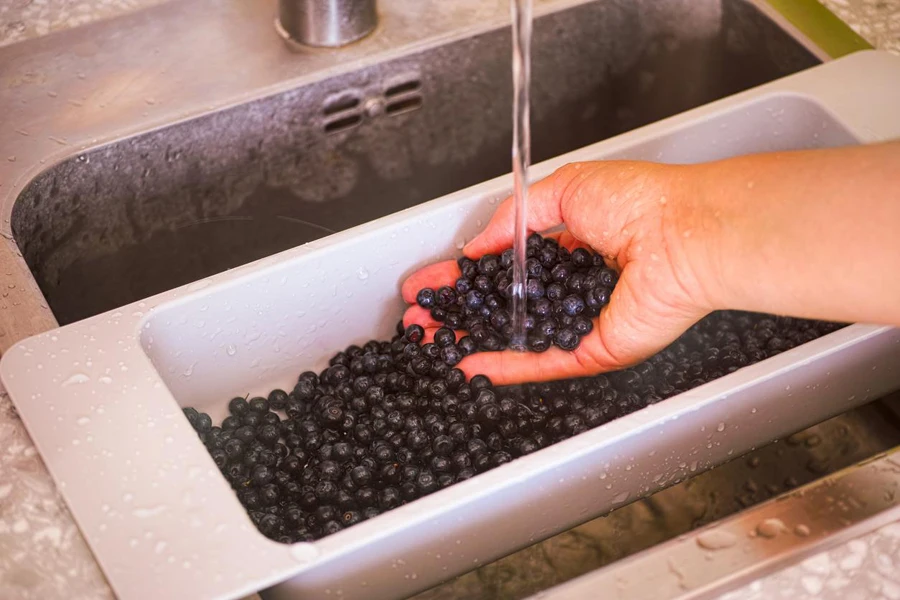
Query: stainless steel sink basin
[(132, 218)]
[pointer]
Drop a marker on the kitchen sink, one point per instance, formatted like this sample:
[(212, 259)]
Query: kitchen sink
[(138, 216), (140, 173)]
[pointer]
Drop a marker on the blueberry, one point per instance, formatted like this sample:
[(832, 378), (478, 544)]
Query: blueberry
[(582, 326), (202, 423), (278, 399), (417, 439), (389, 498), (259, 405), (361, 475), (238, 406), (467, 345), (534, 289), (268, 434), (581, 258), (572, 305), (488, 265), (479, 382), (425, 298), (444, 337), (332, 416), (426, 483), (245, 434), (474, 299), (483, 284), (566, 339), (445, 297), (442, 445), (451, 355), (219, 457), (251, 419), (192, 415), (608, 277), (454, 320)]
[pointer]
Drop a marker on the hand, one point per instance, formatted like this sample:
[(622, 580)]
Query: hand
[(640, 218)]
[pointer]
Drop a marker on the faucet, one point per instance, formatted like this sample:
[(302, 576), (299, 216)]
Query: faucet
[(325, 23)]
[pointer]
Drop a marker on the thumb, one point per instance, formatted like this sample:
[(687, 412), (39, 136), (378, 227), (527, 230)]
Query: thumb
[(545, 199)]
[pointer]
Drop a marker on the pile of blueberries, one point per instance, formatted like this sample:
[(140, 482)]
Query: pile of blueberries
[(391, 421)]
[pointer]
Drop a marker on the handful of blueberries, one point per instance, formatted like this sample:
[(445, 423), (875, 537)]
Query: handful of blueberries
[(564, 291), (391, 421)]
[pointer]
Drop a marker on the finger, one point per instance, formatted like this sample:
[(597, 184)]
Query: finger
[(510, 367), (569, 241), (545, 208), (416, 315), (544, 212), (432, 276)]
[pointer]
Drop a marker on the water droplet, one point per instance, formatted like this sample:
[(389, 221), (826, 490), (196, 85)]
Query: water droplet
[(199, 285), (83, 420), (770, 528), (230, 350), (721, 427), (77, 378), (11, 158), (801, 530), (716, 539), (362, 273), (160, 547)]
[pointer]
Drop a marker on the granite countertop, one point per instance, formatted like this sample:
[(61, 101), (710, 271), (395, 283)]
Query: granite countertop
[(42, 553), (876, 20)]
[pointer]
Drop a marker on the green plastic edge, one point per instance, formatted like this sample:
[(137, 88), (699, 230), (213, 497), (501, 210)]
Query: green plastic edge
[(821, 26)]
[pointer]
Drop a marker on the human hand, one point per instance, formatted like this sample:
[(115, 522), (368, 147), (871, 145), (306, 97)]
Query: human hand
[(640, 218)]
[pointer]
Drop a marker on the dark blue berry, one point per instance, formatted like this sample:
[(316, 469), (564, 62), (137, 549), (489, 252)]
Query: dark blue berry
[(426, 298)]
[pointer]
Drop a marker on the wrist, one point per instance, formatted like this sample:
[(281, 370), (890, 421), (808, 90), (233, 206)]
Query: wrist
[(694, 231)]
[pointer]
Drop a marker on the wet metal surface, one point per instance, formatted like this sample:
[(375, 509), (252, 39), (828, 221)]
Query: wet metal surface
[(120, 223), (726, 490)]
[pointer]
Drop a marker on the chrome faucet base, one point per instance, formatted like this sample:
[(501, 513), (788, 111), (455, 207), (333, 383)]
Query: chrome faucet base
[(325, 23)]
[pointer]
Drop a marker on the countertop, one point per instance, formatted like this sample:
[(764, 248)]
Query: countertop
[(43, 555), (876, 20)]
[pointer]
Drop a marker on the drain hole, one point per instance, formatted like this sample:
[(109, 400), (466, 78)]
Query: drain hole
[(342, 103), (402, 88), (404, 106), (343, 124)]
